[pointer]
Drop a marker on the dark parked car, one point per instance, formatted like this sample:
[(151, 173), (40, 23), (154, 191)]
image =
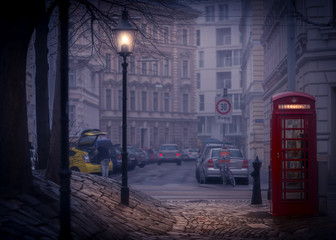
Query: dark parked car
[(131, 159), (139, 155), (151, 154)]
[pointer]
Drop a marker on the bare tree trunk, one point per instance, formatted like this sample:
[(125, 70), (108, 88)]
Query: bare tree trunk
[(17, 25), (41, 84), (54, 163)]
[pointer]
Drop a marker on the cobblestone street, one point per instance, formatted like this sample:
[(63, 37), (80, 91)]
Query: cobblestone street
[(98, 214)]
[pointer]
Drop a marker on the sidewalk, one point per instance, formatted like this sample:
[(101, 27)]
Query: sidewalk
[(98, 214)]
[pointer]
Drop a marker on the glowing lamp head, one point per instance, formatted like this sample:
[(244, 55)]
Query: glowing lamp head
[(124, 35)]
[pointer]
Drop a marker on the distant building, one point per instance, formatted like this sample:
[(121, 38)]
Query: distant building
[(218, 59), (315, 43), (161, 88)]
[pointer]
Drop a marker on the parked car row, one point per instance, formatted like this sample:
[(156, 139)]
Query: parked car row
[(82, 156), (207, 165)]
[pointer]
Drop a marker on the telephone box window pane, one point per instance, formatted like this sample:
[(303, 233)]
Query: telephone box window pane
[(294, 144), (294, 134), (295, 154), (292, 196), (294, 175), (295, 165), (293, 186), (294, 123)]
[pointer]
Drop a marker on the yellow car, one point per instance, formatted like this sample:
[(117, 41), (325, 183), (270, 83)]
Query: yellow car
[(80, 157)]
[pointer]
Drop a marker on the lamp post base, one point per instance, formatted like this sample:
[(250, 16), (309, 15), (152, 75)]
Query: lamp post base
[(125, 195)]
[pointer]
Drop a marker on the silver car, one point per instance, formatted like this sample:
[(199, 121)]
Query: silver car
[(203, 153), (209, 166), (169, 153)]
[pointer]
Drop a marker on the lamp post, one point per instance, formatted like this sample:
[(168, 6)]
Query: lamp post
[(124, 36)]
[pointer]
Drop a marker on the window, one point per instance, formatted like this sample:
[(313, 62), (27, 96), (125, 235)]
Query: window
[(155, 69), (155, 33), (237, 101), (72, 113), (210, 14), (184, 36), (132, 135), (119, 100), (72, 78), (166, 135), (156, 135), (236, 57), (143, 30), (108, 99), (201, 59), (235, 127), (223, 36), (144, 68), (166, 102), (132, 65), (166, 68), (224, 58), (185, 136), (165, 35), (201, 124), (223, 79), (201, 102), (184, 69), (155, 101), (132, 100), (209, 122), (108, 62), (185, 103), (144, 101), (198, 79), (198, 37), (223, 12)]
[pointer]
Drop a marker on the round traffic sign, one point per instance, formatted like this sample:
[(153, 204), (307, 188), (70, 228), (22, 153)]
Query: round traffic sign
[(223, 106)]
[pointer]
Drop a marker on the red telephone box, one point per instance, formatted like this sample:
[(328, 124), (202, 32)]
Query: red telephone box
[(293, 154)]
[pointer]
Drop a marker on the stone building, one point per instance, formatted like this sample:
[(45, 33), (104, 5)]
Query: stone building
[(219, 46), (251, 27), (161, 88), (315, 68)]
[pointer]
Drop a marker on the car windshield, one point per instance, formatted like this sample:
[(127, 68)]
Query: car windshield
[(236, 153), (169, 147), (215, 153)]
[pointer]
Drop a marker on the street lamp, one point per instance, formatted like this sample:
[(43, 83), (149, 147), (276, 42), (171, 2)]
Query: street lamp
[(124, 35)]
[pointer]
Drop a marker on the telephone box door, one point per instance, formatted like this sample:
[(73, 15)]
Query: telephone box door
[(293, 163)]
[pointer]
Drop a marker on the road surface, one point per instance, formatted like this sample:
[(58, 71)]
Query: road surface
[(172, 182)]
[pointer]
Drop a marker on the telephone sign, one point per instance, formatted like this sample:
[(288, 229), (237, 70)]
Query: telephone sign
[(223, 110)]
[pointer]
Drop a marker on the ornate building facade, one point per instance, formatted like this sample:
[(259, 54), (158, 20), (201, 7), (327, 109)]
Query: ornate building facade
[(161, 90), (315, 71)]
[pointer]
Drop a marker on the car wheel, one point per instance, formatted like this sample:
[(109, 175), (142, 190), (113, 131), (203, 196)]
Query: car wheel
[(203, 179), (197, 176), (74, 169), (178, 163), (142, 165), (159, 162)]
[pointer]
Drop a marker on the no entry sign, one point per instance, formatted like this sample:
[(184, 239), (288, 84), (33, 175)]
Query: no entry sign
[(223, 110)]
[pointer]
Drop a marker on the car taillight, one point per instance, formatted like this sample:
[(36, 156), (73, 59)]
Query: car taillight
[(177, 154), (160, 154), (245, 164), (86, 158), (210, 163)]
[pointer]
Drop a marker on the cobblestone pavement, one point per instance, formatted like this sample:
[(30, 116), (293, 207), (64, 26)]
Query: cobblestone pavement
[(96, 213)]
